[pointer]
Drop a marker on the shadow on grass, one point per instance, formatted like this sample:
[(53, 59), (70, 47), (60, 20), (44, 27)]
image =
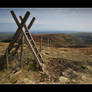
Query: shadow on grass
[(2, 62), (33, 65), (30, 63)]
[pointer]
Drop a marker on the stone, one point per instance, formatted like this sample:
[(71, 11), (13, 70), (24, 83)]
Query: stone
[(63, 79), (26, 80)]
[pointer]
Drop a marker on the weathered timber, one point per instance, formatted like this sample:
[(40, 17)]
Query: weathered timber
[(48, 42), (18, 40), (32, 45), (15, 17), (18, 30), (31, 23), (16, 49), (20, 35), (22, 52)]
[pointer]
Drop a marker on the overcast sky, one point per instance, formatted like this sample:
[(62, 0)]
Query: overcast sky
[(53, 19)]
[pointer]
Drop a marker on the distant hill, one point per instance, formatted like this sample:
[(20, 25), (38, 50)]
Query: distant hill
[(58, 40), (6, 37), (85, 38)]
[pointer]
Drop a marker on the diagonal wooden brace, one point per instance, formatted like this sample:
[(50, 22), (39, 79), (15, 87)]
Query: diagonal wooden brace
[(31, 23), (33, 42), (15, 18), (17, 22), (18, 30)]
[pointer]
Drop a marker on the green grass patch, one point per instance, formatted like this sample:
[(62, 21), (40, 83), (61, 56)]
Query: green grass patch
[(33, 66)]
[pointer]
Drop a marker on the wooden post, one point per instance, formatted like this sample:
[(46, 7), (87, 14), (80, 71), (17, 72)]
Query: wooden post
[(7, 65), (22, 52), (48, 42), (40, 44)]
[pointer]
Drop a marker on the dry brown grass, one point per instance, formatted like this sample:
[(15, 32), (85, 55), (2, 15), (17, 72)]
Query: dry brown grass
[(87, 51), (75, 68), (3, 44)]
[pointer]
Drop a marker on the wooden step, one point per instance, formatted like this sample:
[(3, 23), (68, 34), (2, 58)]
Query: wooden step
[(35, 51)]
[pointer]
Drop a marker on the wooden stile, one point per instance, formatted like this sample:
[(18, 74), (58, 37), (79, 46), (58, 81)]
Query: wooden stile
[(32, 44), (19, 36), (15, 37)]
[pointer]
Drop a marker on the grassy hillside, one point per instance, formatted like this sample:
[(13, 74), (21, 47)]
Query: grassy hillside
[(5, 37), (85, 38), (64, 65), (58, 40)]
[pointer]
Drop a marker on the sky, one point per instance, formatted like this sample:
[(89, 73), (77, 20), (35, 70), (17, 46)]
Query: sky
[(49, 19)]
